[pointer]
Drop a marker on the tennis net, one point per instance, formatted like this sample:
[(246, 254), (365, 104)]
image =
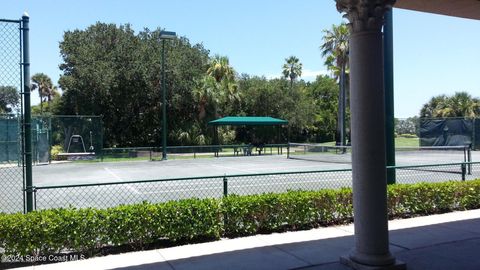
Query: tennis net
[(403, 155)]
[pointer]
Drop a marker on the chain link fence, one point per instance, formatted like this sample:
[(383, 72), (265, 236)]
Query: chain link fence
[(437, 172), (111, 194), (62, 137), (189, 152), (11, 161)]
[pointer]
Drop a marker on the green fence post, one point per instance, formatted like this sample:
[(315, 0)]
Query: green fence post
[(225, 186), (50, 140), (27, 112), (464, 171), (34, 190), (225, 194), (389, 102), (469, 156), (7, 139), (164, 106)]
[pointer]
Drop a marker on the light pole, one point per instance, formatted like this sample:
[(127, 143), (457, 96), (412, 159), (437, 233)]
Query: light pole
[(164, 35), (343, 98)]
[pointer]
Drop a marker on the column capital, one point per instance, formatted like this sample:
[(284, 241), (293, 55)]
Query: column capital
[(364, 15)]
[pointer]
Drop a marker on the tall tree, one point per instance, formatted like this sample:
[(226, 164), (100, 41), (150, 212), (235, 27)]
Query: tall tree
[(112, 71), (262, 97), (407, 126), (324, 92), (292, 69), (9, 99), (43, 84), (335, 50)]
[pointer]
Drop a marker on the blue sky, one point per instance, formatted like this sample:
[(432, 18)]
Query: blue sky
[(433, 54)]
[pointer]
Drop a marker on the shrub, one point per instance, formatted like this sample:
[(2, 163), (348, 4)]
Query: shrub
[(432, 198), (51, 231), (56, 149), (87, 230), (141, 224), (246, 215)]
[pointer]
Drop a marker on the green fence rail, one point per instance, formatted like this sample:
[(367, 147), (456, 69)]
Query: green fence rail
[(103, 195)]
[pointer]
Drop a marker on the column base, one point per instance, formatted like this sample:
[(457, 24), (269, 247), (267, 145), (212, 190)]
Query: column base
[(397, 265)]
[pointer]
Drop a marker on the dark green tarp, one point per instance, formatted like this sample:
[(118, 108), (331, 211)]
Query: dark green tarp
[(446, 132), (9, 139), (476, 134)]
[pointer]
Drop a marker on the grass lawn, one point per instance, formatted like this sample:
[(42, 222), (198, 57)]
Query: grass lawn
[(399, 142), (407, 142)]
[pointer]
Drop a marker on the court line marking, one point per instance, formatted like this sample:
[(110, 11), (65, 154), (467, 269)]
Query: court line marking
[(233, 168), (128, 186), (112, 173)]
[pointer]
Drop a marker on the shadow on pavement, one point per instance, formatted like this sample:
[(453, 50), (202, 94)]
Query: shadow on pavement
[(452, 245)]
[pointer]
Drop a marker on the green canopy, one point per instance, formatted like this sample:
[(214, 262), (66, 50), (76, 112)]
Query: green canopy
[(248, 121)]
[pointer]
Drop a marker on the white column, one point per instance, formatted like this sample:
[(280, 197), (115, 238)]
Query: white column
[(367, 106)]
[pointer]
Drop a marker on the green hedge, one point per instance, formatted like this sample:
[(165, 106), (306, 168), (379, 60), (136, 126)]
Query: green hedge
[(432, 198), (246, 215), (88, 230)]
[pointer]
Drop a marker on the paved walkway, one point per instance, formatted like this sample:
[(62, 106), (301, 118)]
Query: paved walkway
[(447, 241)]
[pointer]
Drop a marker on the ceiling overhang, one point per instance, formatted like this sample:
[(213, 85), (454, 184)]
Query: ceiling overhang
[(469, 9)]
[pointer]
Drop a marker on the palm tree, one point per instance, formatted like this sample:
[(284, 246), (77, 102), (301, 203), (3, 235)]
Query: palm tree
[(53, 93), (434, 106), (206, 92), (461, 104), (292, 69), (335, 50), (44, 85), (220, 69), (217, 87)]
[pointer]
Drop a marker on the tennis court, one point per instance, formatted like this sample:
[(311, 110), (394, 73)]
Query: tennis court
[(301, 157), (105, 184), (100, 172)]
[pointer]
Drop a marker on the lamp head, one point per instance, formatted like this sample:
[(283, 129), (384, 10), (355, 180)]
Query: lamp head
[(167, 35)]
